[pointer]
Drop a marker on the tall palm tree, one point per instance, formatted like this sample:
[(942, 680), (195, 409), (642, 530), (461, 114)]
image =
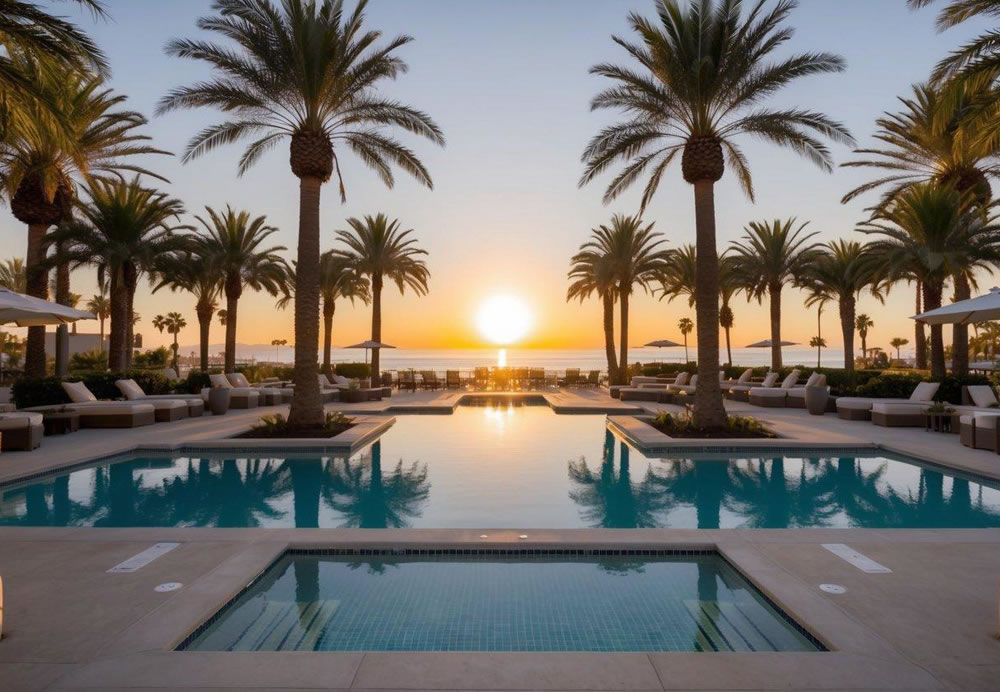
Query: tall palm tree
[(235, 242), (42, 158), (819, 343), (12, 275), (636, 259), (863, 323), (310, 73), (173, 323), (593, 273), (379, 250), (729, 286), (937, 138), (770, 255), (338, 278), (100, 306), (840, 272), (686, 326), (201, 276), (123, 229), (930, 232), (897, 343), (703, 78)]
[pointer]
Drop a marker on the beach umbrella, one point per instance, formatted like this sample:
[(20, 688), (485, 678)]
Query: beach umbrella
[(26, 311), (663, 343), (369, 345), (978, 309), (766, 343)]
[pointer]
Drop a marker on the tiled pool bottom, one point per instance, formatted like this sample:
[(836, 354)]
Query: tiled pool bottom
[(488, 602)]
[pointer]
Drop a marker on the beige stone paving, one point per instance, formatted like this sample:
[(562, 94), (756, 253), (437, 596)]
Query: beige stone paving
[(930, 624)]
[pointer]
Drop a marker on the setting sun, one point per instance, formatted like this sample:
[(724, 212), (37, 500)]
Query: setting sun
[(503, 319)]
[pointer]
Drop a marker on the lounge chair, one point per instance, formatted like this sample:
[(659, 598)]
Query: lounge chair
[(687, 387), (594, 378), (796, 397), (407, 380), (572, 378), (453, 378), (430, 379), (520, 377), (741, 392), (744, 379), (537, 377), (860, 408), (663, 385), (269, 396), (981, 404), (239, 397), (774, 397), (21, 431), (133, 392), (979, 430), (481, 379), (120, 414)]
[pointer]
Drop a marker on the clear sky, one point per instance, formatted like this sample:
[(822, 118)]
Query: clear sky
[(508, 83)]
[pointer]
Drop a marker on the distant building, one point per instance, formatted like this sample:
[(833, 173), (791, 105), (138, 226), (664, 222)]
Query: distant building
[(78, 343)]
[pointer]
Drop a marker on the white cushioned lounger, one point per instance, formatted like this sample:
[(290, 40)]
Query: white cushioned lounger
[(21, 431), (239, 397), (859, 408), (115, 414), (270, 395), (133, 392), (743, 380)]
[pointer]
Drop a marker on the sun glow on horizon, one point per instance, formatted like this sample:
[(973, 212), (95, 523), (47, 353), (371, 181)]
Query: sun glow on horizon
[(504, 319)]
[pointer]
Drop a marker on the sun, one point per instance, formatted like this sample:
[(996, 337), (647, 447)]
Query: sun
[(503, 319)]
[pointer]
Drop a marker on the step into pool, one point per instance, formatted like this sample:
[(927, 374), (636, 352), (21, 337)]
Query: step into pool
[(506, 466), (569, 601)]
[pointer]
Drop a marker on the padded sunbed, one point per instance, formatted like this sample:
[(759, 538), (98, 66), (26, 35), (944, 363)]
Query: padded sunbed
[(860, 408), (133, 392), (269, 395), (774, 397), (686, 387), (119, 414), (21, 431), (741, 392), (744, 379), (796, 396), (239, 397)]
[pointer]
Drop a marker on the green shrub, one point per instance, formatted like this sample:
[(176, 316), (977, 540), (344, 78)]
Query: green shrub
[(895, 386), (260, 371), (156, 358), (276, 426), (682, 425), (352, 370), (39, 391), (194, 382), (88, 361), (951, 387), (48, 391)]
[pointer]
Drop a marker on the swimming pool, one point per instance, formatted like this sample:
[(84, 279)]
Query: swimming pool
[(517, 466), (545, 602)]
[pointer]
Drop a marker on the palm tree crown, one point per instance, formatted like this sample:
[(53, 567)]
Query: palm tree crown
[(201, 276), (378, 249), (12, 275)]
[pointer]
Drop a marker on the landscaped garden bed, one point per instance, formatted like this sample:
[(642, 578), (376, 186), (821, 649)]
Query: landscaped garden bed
[(276, 427), (737, 427)]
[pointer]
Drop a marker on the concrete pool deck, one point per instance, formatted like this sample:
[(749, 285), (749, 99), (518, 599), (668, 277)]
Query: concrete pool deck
[(929, 624)]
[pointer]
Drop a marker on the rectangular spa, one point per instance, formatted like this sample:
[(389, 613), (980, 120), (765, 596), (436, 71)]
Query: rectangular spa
[(551, 601)]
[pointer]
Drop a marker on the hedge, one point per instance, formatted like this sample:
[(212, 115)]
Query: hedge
[(352, 370), (47, 391)]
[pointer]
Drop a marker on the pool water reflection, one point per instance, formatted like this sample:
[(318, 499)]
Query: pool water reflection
[(510, 466)]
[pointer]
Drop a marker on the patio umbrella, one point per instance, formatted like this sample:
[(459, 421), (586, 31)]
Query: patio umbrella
[(978, 309), (766, 343), (368, 345), (663, 343), (26, 311)]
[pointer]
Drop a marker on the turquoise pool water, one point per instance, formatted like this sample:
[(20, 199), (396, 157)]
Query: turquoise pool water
[(488, 603), (511, 466)]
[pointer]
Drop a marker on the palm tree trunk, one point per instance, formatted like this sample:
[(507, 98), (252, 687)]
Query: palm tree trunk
[(919, 338), (119, 318), (932, 300), (307, 402), (62, 331), (101, 322), (623, 293), (37, 286), (328, 310), (819, 338), (232, 305), (847, 307), (729, 349), (376, 323), (176, 368), (204, 313), (131, 279), (864, 348), (960, 332), (609, 336), (687, 358), (709, 411), (774, 298)]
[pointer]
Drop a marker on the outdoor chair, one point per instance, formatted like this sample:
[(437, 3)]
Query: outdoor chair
[(481, 378), (407, 380), (430, 379), (860, 408), (594, 378), (239, 397), (133, 392), (453, 379), (537, 377), (571, 379)]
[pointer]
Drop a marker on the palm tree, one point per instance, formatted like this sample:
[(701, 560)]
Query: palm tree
[(770, 255), (379, 250), (173, 323), (686, 326), (41, 157), (222, 317), (12, 275), (123, 230), (100, 306), (702, 79), (593, 272), (929, 233), (234, 242), (633, 250), (200, 275), (840, 272), (863, 323), (729, 286), (819, 343), (278, 343), (937, 138), (308, 72), (897, 343), (978, 60), (338, 278)]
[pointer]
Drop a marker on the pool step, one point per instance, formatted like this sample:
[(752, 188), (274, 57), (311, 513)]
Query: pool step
[(725, 627), (286, 626)]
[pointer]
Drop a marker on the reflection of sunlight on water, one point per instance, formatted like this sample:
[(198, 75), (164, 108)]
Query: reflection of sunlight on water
[(502, 358), (498, 415)]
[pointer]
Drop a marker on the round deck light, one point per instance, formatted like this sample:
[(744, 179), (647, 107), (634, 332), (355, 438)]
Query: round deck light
[(833, 588), (169, 586)]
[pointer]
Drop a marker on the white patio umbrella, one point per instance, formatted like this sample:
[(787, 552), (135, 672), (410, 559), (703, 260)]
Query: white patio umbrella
[(978, 309), (26, 311), (369, 345)]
